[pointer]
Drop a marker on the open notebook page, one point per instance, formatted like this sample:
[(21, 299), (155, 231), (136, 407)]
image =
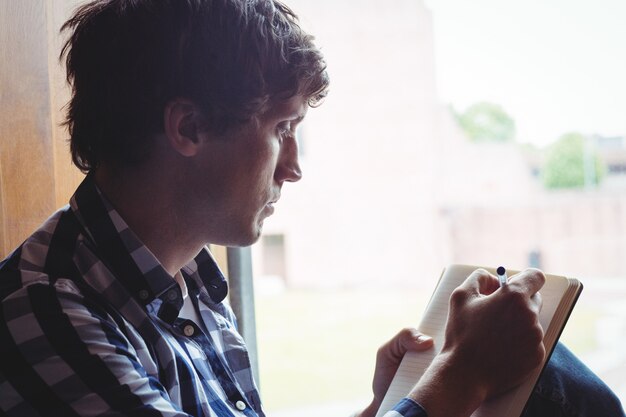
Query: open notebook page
[(433, 323)]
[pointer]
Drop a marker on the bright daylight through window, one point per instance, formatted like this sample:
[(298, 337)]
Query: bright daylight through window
[(487, 132)]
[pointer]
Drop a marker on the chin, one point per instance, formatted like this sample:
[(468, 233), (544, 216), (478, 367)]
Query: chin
[(249, 237), (257, 234), (239, 234)]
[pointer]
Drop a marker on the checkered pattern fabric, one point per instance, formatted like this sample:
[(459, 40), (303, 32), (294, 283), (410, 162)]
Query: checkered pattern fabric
[(406, 408), (89, 326)]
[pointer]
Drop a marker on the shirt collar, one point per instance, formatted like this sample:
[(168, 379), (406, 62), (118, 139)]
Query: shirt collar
[(132, 263)]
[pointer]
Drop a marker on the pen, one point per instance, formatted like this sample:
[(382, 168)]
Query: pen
[(501, 275)]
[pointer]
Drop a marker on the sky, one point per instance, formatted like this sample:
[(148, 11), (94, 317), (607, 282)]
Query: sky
[(556, 66)]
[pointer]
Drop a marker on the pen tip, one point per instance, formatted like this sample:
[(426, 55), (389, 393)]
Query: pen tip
[(501, 270)]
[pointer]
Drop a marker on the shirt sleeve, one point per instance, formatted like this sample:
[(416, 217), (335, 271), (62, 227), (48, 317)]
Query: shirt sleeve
[(406, 408), (61, 357)]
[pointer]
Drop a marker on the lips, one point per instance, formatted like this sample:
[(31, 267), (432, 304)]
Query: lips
[(269, 207), (274, 201)]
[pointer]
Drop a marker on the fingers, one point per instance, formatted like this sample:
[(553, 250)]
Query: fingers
[(536, 302), (411, 339), (521, 289), (479, 282), (408, 339), (419, 341), (528, 281)]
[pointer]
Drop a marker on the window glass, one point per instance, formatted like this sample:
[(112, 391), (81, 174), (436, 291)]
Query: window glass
[(487, 133)]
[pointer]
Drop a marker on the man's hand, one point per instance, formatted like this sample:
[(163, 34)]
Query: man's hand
[(493, 341), (387, 361)]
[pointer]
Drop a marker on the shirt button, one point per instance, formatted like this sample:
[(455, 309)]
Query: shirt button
[(240, 405), (189, 331), (143, 294), (171, 295)]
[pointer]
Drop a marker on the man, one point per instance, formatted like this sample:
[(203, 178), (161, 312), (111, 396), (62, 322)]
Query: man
[(183, 116)]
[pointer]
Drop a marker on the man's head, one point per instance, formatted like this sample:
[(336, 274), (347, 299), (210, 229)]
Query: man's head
[(127, 59)]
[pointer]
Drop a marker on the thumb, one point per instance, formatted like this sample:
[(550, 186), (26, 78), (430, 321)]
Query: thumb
[(408, 339), (480, 282), (416, 341)]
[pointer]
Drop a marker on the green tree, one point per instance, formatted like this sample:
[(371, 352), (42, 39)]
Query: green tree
[(571, 163), (487, 122)]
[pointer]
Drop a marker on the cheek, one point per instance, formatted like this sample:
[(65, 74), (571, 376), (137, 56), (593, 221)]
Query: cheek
[(263, 178), (253, 178), (265, 161)]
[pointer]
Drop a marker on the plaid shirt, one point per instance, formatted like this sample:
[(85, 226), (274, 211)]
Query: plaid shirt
[(89, 325)]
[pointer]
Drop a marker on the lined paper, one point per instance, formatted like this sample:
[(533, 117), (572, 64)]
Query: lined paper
[(558, 294)]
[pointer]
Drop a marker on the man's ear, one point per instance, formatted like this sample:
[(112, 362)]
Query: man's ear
[(185, 126)]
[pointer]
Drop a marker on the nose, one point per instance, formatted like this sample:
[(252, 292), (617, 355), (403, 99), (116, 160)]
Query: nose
[(288, 168)]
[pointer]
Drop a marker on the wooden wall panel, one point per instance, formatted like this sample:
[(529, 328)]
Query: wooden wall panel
[(67, 175), (35, 177)]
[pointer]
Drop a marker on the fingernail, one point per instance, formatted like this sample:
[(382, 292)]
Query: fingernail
[(423, 338)]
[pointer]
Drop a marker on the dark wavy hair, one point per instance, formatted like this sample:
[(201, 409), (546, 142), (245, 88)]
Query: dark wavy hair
[(126, 59)]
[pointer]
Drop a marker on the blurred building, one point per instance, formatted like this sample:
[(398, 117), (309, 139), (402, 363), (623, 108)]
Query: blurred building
[(393, 191), (364, 211)]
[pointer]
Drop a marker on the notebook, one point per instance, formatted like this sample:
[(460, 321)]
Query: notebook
[(559, 295)]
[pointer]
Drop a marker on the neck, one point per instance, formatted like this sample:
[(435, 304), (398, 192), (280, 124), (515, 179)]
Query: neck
[(147, 202)]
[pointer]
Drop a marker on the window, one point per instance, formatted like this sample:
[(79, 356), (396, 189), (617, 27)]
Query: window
[(273, 248), (393, 189)]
